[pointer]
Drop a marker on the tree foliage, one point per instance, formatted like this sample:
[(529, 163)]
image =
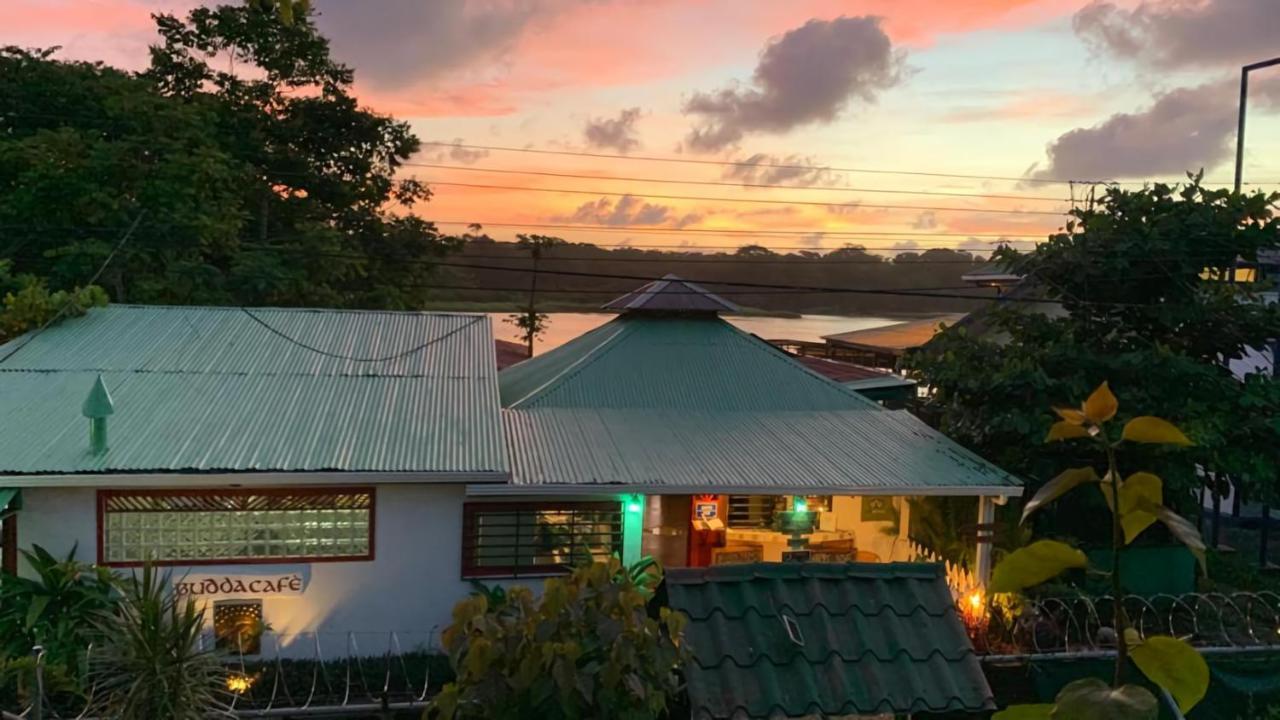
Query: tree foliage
[(587, 648), (1134, 293), (262, 179)]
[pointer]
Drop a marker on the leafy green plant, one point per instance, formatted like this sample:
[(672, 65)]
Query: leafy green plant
[(588, 647), (56, 608), (1136, 503), (151, 662)]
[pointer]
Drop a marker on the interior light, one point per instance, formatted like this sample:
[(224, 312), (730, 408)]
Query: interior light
[(800, 504)]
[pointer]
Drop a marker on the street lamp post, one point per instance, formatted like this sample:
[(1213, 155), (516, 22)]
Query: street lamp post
[(1265, 523), (1244, 99)]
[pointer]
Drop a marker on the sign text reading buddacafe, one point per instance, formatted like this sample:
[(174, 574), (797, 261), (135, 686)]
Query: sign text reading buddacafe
[(246, 585)]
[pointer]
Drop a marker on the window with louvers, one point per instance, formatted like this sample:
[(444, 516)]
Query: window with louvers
[(515, 539), (195, 527)]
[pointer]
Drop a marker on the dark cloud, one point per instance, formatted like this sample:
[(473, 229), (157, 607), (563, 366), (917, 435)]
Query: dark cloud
[(764, 169), (628, 210), (1183, 130), (456, 152), (1182, 33), (614, 133), (926, 220), (808, 75), (395, 43)]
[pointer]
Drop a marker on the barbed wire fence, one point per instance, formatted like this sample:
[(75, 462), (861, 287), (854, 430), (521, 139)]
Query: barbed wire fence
[(310, 674)]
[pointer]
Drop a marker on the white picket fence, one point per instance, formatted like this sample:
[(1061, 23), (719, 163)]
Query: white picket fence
[(960, 580)]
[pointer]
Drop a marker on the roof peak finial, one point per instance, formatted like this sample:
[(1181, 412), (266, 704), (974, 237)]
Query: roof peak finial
[(97, 406)]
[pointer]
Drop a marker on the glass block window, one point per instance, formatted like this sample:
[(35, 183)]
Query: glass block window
[(509, 539), (194, 527)]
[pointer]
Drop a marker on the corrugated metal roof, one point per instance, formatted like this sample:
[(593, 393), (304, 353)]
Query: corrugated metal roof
[(897, 337), (665, 362), (863, 639), (211, 389), (680, 450), (671, 294), (671, 404)]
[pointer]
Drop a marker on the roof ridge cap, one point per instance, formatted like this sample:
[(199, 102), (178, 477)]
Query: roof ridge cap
[(559, 378)]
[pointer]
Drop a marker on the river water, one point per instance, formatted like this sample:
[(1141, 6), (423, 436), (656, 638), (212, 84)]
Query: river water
[(563, 327)]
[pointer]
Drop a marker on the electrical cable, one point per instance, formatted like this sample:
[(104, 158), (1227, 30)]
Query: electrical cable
[(63, 310), (354, 358)]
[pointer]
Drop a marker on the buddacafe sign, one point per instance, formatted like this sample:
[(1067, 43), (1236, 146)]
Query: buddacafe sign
[(220, 585)]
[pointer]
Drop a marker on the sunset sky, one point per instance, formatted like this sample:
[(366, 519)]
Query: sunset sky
[(1033, 89)]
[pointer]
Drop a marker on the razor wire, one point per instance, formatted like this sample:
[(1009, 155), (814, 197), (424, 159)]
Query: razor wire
[(294, 675), (1076, 624)]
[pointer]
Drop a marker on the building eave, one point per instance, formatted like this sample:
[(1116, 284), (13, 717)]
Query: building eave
[(605, 489), (250, 479)]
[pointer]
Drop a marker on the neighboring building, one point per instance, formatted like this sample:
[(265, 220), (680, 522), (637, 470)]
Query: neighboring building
[(509, 353), (883, 347), (345, 471), (892, 391)]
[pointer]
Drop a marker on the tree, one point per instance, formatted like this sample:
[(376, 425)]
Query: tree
[(263, 180), (587, 648), (531, 322), (1136, 503), (1132, 293)]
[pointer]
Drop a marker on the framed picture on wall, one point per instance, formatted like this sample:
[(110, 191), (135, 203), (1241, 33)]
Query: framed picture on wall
[(879, 509)]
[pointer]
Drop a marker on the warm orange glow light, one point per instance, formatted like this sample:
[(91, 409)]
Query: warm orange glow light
[(239, 683)]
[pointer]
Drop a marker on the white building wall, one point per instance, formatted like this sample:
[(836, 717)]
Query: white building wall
[(410, 587)]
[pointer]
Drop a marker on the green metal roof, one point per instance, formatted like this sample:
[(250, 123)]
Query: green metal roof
[(775, 640), (671, 362), (678, 404), (203, 389)]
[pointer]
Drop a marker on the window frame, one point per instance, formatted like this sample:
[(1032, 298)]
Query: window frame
[(471, 510), (105, 495)]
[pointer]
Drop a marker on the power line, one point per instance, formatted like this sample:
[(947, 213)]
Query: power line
[(853, 205), (354, 358), (629, 229), (651, 230), (786, 166), (101, 268), (722, 183)]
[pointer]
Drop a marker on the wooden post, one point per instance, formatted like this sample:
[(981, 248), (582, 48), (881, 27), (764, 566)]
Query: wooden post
[(986, 517)]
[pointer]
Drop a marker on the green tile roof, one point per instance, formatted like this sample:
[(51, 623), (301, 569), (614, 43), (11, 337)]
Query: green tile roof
[(808, 639), (672, 404), (203, 389)]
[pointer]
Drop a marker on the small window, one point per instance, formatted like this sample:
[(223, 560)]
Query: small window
[(238, 626), (201, 527), (510, 540), (753, 511), (759, 512)]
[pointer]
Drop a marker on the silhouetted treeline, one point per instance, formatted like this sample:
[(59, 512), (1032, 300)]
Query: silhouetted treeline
[(936, 271)]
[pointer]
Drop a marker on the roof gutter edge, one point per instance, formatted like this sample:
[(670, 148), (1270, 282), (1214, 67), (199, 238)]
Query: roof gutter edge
[(514, 489), (250, 479)]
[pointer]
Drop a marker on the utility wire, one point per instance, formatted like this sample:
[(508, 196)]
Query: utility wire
[(355, 358), (629, 229), (851, 205), (101, 269), (722, 183), (786, 166)]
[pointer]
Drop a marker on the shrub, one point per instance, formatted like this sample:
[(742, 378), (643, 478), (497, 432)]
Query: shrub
[(151, 662), (588, 647)]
